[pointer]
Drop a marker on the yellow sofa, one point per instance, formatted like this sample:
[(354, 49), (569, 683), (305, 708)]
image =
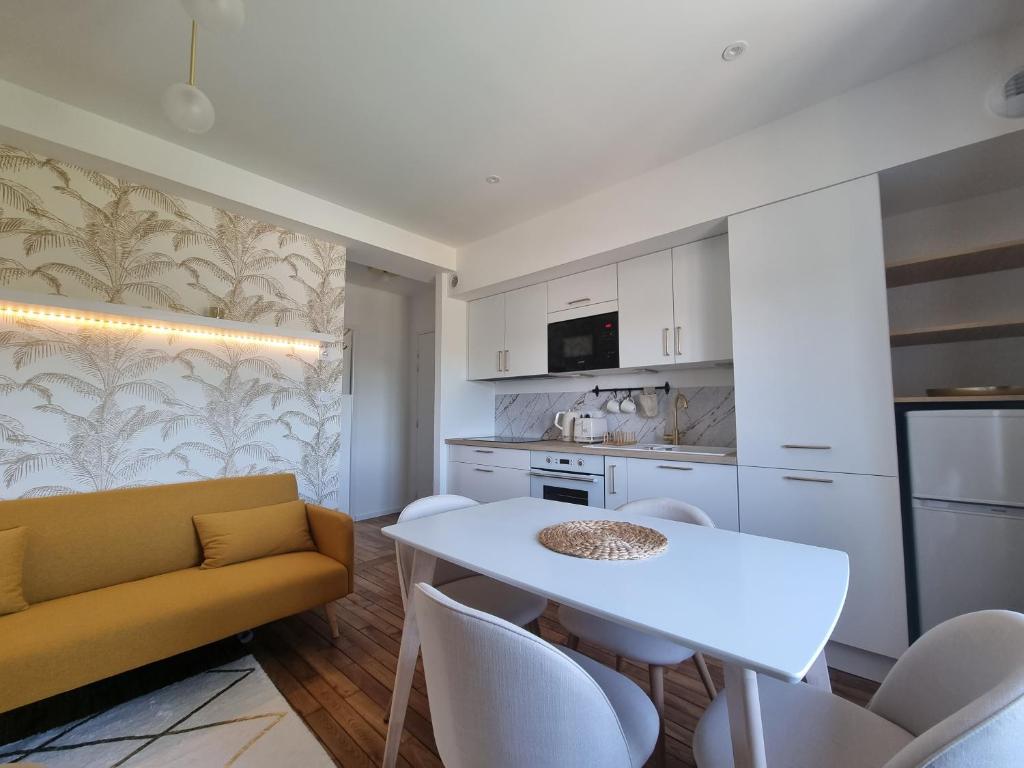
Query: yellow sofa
[(113, 580)]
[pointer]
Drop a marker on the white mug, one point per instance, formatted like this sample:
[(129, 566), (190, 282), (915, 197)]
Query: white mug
[(611, 405), (627, 405)]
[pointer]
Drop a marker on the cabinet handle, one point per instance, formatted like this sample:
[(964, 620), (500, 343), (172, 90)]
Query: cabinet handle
[(798, 447), (679, 336), (574, 478), (807, 479), (611, 478), (677, 469), (481, 450), (577, 301), (506, 361), (481, 469), (664, 341)]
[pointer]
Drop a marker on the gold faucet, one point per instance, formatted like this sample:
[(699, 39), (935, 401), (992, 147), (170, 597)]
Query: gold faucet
[(673, 436)]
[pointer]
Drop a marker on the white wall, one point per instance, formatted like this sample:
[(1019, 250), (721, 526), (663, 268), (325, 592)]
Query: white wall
[(39, 123), (948, 229), (380, 322), (461, 408), (933, 107)]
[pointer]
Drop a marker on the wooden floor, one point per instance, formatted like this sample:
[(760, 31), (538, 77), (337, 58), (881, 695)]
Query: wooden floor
[(342, 688)]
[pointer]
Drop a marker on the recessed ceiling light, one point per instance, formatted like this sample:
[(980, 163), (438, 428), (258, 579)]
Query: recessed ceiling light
[(492, 179), (734, 50)]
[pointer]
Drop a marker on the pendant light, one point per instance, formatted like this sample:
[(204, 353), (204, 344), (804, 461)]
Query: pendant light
[(184, 104)]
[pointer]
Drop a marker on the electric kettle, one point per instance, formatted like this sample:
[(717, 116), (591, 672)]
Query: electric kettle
[(566, 421)]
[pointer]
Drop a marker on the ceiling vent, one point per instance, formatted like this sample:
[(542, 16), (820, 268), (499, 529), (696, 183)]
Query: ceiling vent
[(1007, 98)]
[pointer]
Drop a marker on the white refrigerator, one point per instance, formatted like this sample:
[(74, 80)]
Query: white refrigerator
[(967, 484)]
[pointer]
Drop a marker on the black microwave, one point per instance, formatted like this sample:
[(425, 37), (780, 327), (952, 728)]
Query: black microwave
[(584, 343)]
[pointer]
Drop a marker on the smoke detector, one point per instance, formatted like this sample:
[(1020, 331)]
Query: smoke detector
[(1006, 99)]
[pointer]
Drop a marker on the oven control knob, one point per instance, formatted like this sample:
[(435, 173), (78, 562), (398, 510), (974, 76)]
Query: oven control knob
[(547, 459), (579, 462)]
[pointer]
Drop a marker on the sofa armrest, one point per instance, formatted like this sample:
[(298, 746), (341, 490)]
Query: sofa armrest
[(334, 536)]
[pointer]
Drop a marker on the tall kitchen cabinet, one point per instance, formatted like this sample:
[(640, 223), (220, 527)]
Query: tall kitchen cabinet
[(816, 437), (508, 334), (674, 306)]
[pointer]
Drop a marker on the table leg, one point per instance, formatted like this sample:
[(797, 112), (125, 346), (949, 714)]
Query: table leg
[(422, 571), (744, 717), (817, 675)]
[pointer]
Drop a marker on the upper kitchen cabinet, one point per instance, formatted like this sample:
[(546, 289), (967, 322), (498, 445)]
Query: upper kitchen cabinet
[(595, 286), (810, 333), (486, 323), (526, 331), (700, 288), (646, 317), (508, 334), (674, 306)]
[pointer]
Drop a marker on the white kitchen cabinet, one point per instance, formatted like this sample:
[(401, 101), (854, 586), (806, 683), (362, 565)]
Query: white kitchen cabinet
[(646, 319), (526, 331), (594, 286), (700, 287), (858, 514), (616, 481), (486, 329), (487, 482), (508, 334), (712, 487), (674, 306), (810, 333)]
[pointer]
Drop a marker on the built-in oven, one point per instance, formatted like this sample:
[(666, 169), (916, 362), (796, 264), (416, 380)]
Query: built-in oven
[(583, 343), (569, 477)]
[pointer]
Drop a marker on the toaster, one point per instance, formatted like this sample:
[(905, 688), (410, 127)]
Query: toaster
[(591, 427)]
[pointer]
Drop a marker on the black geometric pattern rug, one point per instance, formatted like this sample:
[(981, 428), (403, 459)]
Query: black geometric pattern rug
[(231, 715)]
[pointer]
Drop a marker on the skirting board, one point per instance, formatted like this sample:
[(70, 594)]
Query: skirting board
[(379, 513), (857, 662)]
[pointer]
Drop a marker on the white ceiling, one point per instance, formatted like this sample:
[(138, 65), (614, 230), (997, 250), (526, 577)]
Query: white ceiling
[(400, 108)]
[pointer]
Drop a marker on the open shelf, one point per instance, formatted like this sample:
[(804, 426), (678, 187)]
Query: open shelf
[(944, 334), (994, 259), (32, 306)]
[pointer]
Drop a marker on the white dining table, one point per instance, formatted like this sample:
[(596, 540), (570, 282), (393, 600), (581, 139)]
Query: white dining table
[(760, 605)]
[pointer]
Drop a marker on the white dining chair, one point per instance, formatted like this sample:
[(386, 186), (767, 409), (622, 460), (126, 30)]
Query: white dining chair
[(955, 698), (520, 607), (633, 644), (504, 698)]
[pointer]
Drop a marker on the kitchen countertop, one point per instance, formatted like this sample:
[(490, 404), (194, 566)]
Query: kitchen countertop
[(968, 399), (622, 452)]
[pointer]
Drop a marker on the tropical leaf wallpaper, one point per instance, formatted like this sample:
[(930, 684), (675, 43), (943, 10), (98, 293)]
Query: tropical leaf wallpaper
[(85, 408)]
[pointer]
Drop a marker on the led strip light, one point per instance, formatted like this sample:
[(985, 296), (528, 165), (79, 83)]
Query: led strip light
[(74, 317)]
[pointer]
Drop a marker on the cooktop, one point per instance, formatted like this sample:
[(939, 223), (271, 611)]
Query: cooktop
[(507, 439)]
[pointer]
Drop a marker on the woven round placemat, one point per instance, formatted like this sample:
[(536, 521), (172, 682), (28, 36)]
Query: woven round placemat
[(603, 540)]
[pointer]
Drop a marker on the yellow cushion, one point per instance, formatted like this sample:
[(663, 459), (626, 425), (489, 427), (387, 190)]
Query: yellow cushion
[(64, 643), (249, 534), (12, 559)]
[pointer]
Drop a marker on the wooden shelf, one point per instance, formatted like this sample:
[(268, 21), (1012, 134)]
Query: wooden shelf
[(994, 259), (945, 334)]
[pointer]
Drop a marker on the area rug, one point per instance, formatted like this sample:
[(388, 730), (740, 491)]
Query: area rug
[(227, 716)]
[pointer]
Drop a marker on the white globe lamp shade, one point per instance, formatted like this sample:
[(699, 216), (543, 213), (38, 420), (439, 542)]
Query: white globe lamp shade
[(221, 15), (188, 108)]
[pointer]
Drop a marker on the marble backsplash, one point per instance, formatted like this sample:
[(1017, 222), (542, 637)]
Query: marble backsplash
[(709, 420)]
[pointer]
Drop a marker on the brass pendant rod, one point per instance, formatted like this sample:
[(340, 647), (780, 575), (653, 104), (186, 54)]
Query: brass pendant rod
[(192, 56)]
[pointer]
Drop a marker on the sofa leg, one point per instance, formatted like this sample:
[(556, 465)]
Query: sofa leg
[(332, 620)]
